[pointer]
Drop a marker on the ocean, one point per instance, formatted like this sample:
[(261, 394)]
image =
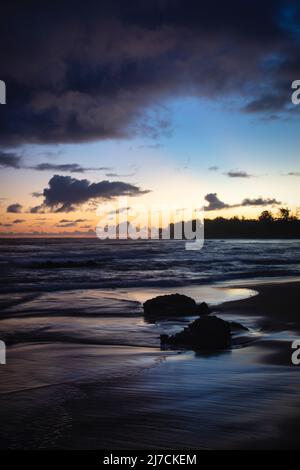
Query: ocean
[(44, 265)]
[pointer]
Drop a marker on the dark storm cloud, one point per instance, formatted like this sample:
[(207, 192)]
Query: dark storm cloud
[(238, 174), (214, 203), (15, 208), (101, 70), (64, 193)]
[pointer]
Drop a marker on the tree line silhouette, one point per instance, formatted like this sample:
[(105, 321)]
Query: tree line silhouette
[(284, 225)]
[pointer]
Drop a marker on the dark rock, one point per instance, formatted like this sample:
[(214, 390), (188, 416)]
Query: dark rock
[(164, 338), (238, 326), (170, 305), (203, 309), (205, 333)]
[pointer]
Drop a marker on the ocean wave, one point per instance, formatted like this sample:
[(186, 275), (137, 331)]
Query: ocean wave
[(47, 265)]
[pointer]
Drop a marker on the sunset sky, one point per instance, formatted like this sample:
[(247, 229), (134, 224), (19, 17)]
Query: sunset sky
[(160, 100)]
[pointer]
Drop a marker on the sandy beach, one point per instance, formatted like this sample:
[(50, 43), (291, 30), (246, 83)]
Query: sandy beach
[(244, 397)]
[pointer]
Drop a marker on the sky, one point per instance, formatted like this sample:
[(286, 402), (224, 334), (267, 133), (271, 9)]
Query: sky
[(180, 104)]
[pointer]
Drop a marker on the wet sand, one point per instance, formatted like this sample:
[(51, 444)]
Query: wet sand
[(277, 304), (246, 397)]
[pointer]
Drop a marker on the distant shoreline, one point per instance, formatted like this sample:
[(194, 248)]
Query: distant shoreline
[(94, 237)]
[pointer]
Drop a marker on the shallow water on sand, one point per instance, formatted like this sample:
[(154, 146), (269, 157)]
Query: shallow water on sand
[(231, 399), (41, 331)]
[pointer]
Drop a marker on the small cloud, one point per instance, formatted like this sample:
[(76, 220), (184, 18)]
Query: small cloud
[(13, 160), (15, 208), (238, 174), (213, 168), (119, 211), (10, 160), (260, 202), (66, 167), (151, 146), (77, 221), (37, 209), (214, 203), (18, 221), (268, 103), (118, 175), (68, 224)]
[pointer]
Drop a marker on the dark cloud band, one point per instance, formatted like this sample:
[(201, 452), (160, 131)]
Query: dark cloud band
[(91, 71)]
